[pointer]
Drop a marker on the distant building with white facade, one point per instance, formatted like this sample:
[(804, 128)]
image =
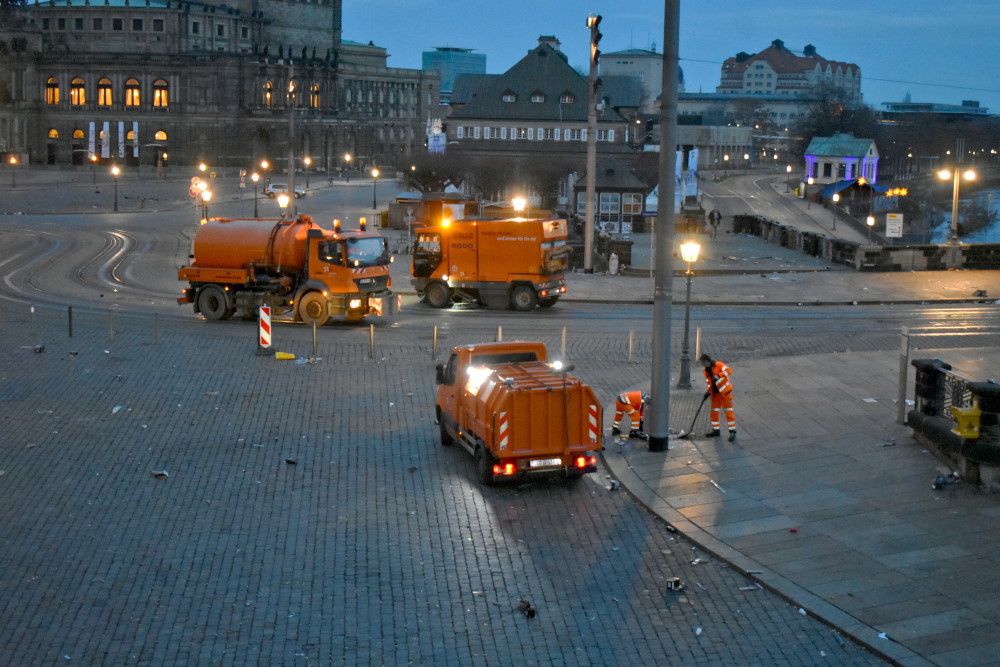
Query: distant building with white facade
[(645, 65)]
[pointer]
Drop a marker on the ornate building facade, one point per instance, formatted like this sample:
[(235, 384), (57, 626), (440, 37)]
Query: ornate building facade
[(228, 83)]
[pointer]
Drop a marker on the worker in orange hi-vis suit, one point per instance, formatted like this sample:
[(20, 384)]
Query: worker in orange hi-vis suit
[(633, 404), (719, 378)]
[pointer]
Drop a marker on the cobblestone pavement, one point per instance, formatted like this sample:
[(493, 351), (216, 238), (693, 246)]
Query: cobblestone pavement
[(169, 497)]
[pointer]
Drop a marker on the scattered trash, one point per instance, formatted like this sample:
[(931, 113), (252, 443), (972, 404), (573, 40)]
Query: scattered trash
[(979, 292), (675, 584), (160, 474), (755, 587), (697, 631), (802, 611), (671, 529), (882, 635), (284, 356), (698, 584), (870, 400), (38, 348), (793, 530), (699, 561), (612, 483), (412, 469), (525, 607), (943, 480), (291, 462), (840, 639), (889, 442), (713, 483)]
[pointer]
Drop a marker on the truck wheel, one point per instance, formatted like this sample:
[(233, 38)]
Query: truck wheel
[(548, 301), (438, 295), (523, 298), (484, 466), (312, 308), (213, 304), (446, 439)]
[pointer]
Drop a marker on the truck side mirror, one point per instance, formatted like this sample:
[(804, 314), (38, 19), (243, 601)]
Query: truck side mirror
[(439, 374)]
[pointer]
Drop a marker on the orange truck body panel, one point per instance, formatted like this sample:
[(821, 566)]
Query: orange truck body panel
[(523, 412), (487, 254)]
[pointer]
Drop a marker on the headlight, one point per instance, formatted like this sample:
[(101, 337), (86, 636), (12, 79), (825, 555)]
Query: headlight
[(354, 303)]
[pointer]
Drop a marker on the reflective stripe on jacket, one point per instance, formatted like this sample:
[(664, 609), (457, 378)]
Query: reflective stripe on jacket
[(718, 378)]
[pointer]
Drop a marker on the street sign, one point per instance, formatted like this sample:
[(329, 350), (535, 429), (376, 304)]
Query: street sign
[(894, 225)]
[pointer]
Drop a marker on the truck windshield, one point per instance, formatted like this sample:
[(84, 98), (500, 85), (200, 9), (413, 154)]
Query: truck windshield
[(372, 251), (426, 255)]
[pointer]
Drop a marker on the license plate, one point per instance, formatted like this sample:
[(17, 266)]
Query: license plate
[(544, 463)]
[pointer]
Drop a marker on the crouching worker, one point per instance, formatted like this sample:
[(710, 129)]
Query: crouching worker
[(632, 404), (718, 377)]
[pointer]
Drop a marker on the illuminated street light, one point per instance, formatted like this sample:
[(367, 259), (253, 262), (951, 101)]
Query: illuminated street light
[(202, 167), (283, 203), (375, 173), (206, 196), (347, 166), (725, 164), (788, 175), (836, 198), (93, 170), (13, 164), (116, 172), (255, 177), (519, 203), (308, 161), (956, 175), (870, 221), (809, 201), (689, 253)]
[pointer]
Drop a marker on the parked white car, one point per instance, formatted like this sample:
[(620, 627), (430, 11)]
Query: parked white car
[(275, 189)]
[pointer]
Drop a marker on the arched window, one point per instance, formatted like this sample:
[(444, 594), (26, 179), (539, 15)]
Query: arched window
[(77, 92), (104, 97), (160, 135), (161, 94), (314, 96), (268, 96), (130, 135), (52, 91), (53, 133), (132, 97), (78, 134)]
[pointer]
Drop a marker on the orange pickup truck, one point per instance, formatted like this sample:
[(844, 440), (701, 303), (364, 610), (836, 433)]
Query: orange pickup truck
[(517, 414)]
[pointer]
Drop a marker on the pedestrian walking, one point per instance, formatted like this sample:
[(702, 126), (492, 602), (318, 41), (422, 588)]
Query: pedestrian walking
[(714, 218), (719, 378), (632, 404)]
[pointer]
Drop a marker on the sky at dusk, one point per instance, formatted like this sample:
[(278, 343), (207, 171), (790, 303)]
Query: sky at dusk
[(937, 51)]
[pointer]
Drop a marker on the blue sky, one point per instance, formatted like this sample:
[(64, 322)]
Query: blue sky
[(937, 51)]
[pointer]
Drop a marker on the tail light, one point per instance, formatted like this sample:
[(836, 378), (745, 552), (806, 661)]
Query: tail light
[(583, 462), (506, 469)]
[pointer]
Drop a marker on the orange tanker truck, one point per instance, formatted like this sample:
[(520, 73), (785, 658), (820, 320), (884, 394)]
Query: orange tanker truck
[(516, 413), (238, 265), (512, 263)]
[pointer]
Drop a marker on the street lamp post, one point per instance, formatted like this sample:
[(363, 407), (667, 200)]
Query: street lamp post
[(93, 170), (307, 161), (870, 221), (725, 164), (375, 173), (689, 253), (347, 166), (809, 201), (255, 177), (956, 175), (13, 179), (283, 203), (116, 172), (206, 196), (836, 198), (788, 175)]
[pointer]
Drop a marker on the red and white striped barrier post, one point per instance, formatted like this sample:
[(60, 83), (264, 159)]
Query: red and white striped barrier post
[(264, 330)]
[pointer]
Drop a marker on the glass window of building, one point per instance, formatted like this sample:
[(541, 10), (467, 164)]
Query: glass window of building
[(161, 97), (314, 96), (160, 135), (52, 91), (268, 99), (117, 24), (78, 133), (77, 92), (98, 24), (53, 133), (157, 25), (137, 25), (132, 96), (104, 97), (78, 24)]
